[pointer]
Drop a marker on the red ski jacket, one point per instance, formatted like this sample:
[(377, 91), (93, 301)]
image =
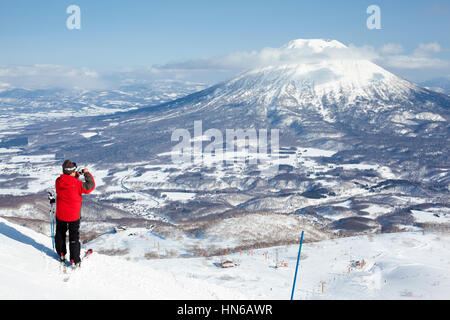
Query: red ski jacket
[(68, 195)]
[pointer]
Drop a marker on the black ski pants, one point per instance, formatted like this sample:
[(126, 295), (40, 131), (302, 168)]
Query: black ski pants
[(74, 239)]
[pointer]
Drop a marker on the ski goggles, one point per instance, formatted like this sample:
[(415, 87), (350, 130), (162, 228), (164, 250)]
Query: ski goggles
[(72, 168)]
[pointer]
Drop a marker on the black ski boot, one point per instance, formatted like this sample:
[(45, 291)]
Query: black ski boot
[(62, 258), (76, 265)]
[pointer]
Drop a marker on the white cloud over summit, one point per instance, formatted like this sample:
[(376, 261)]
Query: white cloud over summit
[(296, 51), (390, 55)]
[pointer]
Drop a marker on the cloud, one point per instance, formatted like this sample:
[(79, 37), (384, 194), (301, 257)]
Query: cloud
[(43, 76), (414, 62), (390, 55), (391, 48), (421, 61), (268, 56), (4, 86), (48, 76), (425, 49), (422, 58)]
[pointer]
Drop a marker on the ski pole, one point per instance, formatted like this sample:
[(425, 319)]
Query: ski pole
[(52, 199), (52, 226), (296, 268)]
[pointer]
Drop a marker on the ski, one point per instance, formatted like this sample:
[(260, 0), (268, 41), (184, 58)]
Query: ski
[(63, 267), (74, 266), (87, 253), (62, 264)]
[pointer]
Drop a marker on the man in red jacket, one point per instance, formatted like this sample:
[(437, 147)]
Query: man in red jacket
[(68, 207)]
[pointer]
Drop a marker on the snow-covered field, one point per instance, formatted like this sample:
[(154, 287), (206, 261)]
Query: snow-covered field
[(410, 265)]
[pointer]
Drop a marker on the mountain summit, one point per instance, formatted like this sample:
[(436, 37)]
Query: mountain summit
[(317, 45)]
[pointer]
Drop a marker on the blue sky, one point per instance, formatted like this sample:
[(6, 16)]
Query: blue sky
[(117, 34)]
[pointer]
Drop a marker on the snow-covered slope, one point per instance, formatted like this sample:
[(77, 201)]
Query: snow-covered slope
[(411, 265), (29, 270)]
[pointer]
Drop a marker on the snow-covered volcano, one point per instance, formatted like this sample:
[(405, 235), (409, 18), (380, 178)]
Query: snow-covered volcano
[(312, 86), (310, 89), (324, 79)]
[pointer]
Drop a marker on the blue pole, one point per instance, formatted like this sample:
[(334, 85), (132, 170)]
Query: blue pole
[(296, 268)]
